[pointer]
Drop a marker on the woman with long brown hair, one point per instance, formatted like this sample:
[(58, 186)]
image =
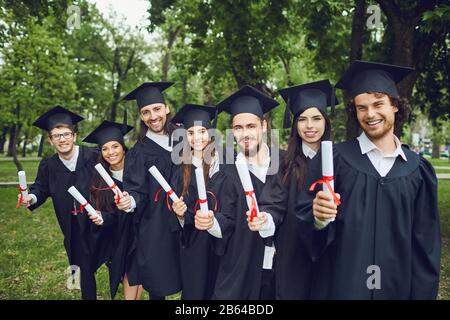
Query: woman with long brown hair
[(293, 259), (116, 233), (199, 262)]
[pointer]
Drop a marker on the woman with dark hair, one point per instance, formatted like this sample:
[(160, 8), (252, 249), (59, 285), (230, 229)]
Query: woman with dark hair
[(115, 236), (199, 262), (293, 259)]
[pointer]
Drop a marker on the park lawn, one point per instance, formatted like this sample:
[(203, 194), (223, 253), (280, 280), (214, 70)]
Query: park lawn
[(8, 170), (443, 162), (32, 255)]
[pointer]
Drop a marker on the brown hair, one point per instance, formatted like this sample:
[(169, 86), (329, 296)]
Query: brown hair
[(400, 103), (294, 163)]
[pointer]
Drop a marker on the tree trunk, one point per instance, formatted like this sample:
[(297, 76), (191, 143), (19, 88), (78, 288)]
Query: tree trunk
[(3, 139), (15, 138), (11, 141), (172, 35), (356, 42), (25, 141), (41, 146)]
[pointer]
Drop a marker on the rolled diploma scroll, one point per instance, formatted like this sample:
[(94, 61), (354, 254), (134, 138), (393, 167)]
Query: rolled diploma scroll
[(109, 181), (244, 176), (23, 184), (327, 166), (201, 189), (77, 195), (157, 175)]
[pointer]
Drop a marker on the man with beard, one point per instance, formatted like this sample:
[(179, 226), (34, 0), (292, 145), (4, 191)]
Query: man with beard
[(385, 240), (245, 270), (157, 265), (72, 165)]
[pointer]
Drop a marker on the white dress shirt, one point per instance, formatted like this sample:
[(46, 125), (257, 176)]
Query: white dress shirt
[(381, 162)]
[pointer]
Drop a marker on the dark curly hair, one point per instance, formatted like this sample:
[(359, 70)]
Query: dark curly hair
[(401, 115)]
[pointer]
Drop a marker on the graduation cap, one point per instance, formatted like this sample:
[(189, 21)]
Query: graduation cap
[(319, 94), (108, 131), (56, 116), (247, 100), (193, 114), (363, 76), (148, 93)]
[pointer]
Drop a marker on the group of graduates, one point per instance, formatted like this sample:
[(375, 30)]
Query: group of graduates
[(300, 244)]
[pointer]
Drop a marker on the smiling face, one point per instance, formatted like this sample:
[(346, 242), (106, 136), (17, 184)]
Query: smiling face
[(311, 127), (248, 130), (113, 153), (375, 114), (62, 139), (155, 116), (197, 137)]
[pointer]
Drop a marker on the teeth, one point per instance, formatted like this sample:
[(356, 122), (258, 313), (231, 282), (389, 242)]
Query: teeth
[(373, 122)]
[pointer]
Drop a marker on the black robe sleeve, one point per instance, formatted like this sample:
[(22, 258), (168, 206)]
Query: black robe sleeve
[(135, 178), (426, 242), (40, 188)]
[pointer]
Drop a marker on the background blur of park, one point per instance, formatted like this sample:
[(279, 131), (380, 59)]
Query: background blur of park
[(86, 55)]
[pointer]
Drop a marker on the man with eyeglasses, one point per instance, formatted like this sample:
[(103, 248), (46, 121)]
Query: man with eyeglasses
[(71, 165)]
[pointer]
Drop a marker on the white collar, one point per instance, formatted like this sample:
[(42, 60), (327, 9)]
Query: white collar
[(367, 145), (308, 151), (214, 167), (118, 175), (71, 164), (259, 171), (161, 139)]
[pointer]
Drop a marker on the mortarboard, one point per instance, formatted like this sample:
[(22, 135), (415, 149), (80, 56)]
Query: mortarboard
[(148, 93), (57, 115)]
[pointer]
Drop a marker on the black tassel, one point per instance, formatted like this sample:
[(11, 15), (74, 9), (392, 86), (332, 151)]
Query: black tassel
[(333, 100), (214, 123), (125, 124)]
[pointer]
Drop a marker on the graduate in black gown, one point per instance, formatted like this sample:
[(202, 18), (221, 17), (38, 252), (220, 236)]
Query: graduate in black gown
[(199, 261), (116, 232), (156, 227), (385, 240), (245, 270), (71, 165), (294, 268)]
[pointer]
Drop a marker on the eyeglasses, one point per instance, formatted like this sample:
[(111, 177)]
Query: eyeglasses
[(58, 136)]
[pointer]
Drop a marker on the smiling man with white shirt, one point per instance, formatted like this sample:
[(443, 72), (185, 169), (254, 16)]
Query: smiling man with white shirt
[(246, 270), (385, 240), (71, 165), (156, 242)]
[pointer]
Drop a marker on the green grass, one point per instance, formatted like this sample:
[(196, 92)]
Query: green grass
[(8, 170), (32, 255), (33, 259), (443, 162)]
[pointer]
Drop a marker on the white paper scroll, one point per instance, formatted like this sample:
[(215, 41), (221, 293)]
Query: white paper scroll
[(327, 166), (79, 197), (201, 189), (23, 184), (244, 176), (157, 175), (109, 181)]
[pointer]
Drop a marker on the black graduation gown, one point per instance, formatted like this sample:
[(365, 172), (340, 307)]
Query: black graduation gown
[(118, 234), (199, 261), (293, 262), (53, 180), (156, 227), (391, 222), (241, 266)]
